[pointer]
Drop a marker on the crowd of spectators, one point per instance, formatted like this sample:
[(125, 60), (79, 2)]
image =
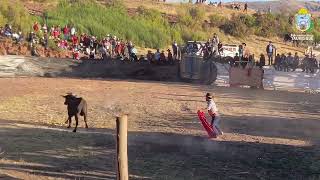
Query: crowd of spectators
[(112, 47), (8, 32)]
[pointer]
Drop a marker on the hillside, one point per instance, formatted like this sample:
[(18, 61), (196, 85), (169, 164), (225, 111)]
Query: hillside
[(286, 6), (147, 23)]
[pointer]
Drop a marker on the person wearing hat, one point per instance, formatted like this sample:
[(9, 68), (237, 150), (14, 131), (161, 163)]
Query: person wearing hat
[(213, 112)]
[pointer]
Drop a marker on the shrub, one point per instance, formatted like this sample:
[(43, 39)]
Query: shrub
[(238, 26), (15, 15), (148, 28), (217, 20)]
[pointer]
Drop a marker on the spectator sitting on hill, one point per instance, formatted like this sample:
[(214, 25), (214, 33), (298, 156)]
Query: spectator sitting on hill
[(7, 30), (162, 57), (92, 53), (17, 37), (56, 33), (76, 54), (66, 32), (63, 44), (75, 40), (73, 31), (157, 56), (149, 56), (36, 27), (170, 57), (45, 28), (142, 58), (133, 53)]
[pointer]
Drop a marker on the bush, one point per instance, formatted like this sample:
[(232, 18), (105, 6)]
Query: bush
[(15, 15), (148, 28), (217, 20), (238, 26)]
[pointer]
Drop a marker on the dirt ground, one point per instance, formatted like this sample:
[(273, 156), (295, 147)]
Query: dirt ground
[(268, 134)]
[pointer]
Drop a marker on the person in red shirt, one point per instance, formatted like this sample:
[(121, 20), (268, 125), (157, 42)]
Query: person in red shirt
[(75, 40), (66, 32), (36, 27), (56, 32)]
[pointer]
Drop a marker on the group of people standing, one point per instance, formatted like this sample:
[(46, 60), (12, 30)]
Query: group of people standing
[(288, 62), (86, 45)]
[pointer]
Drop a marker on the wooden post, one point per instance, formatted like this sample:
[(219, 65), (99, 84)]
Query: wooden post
[(122, 154)]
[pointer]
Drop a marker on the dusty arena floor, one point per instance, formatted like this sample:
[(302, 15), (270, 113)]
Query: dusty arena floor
[(268, 134)]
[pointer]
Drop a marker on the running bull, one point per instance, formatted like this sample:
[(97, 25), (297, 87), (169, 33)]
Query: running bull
[(76, 106)]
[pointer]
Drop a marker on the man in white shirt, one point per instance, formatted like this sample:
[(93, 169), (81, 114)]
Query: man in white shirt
[(213, 112)]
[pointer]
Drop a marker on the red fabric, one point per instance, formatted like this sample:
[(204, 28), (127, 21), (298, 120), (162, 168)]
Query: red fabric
[(36, 27), (76, 56), (211, 132), (56, 33), (74, 40), (66, 31)]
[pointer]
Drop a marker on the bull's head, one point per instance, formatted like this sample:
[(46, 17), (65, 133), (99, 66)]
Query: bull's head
[(68, 98)]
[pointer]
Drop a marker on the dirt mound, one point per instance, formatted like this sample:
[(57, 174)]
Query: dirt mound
[(9, 47)]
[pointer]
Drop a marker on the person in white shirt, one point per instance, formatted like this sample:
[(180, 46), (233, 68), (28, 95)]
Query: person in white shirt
[(213, 112)]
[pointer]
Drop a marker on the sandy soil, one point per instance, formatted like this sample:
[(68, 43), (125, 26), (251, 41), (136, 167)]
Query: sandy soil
[(268, 134)]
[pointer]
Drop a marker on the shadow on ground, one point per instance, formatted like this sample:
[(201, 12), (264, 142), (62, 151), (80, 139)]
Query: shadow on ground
[(62, 154)]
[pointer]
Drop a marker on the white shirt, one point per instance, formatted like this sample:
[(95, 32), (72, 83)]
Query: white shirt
[(73, 31), (212, 106)]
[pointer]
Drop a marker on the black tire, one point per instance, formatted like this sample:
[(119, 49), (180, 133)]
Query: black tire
[(213, 73), (209, 73)]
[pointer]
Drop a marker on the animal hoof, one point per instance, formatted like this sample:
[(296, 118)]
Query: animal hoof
[(74, 131), (68, 127), (87, 127)]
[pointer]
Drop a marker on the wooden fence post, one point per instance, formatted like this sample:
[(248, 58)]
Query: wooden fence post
[(122, 146)]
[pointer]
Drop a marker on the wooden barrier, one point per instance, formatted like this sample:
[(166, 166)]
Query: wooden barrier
[(122, 148), (249, 76)]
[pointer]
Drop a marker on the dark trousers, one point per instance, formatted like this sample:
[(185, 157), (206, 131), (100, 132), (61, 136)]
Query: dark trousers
[(270, 58), (212, 120)]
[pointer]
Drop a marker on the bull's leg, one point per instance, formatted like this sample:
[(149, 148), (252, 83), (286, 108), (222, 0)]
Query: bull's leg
[(77, 119), (85, 120), (69, 122)]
